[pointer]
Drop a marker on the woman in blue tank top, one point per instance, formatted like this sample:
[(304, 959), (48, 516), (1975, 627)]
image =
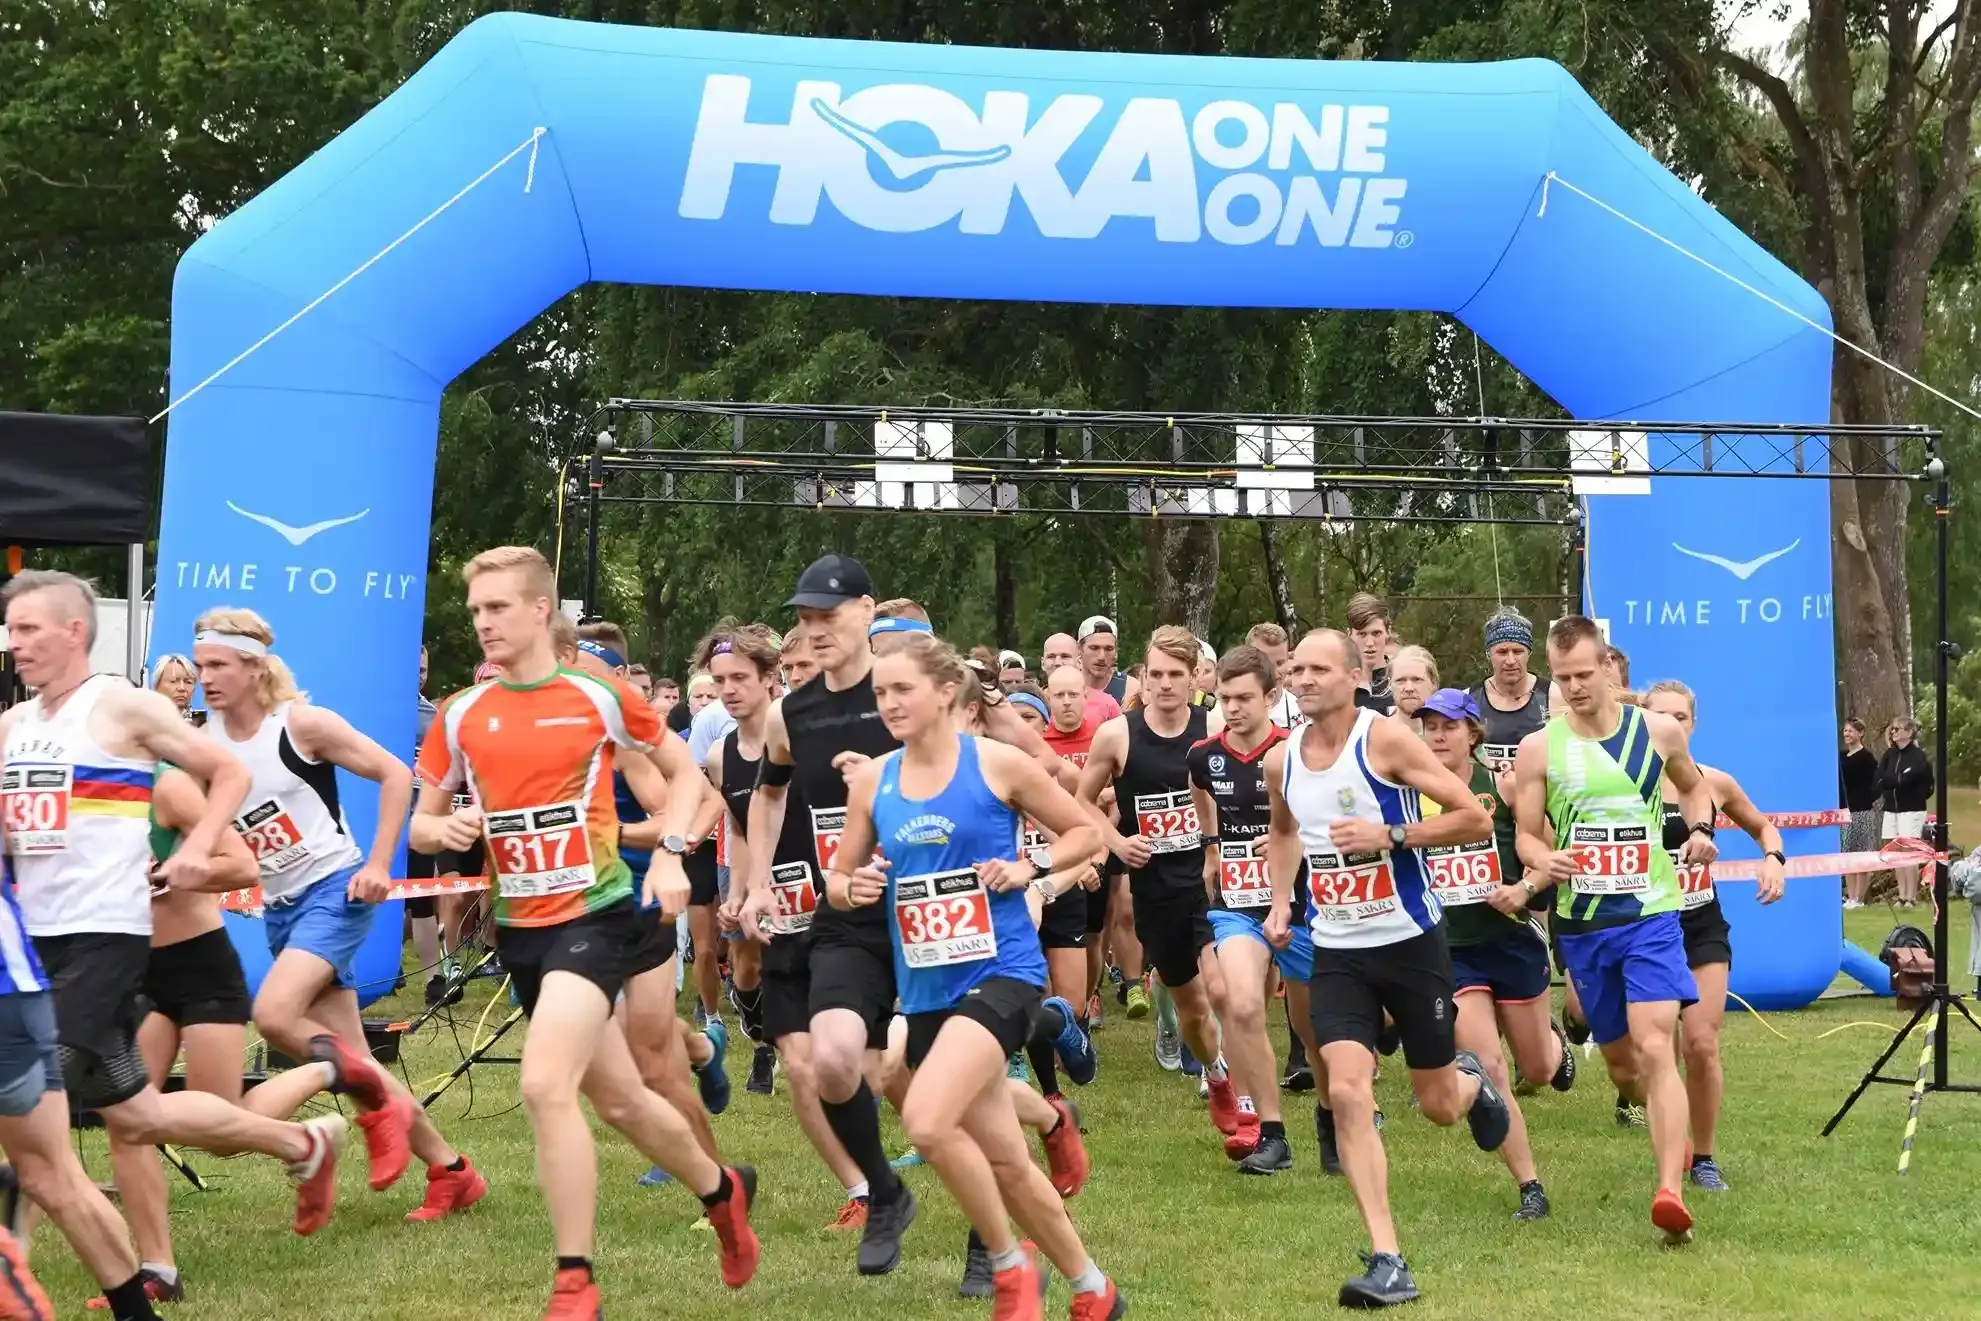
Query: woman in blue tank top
[(945, 814)]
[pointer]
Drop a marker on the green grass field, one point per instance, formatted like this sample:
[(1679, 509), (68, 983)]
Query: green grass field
[(1812, 1228)]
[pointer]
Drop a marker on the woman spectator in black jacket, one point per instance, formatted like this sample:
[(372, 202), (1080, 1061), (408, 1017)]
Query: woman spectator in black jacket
[(1905, 779)]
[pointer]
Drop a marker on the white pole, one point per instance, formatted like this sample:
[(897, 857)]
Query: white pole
[(134, 639)]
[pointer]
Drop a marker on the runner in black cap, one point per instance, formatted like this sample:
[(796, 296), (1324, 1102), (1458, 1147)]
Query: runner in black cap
[(812, 732)]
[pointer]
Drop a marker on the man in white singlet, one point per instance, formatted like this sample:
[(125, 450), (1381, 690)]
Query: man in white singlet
[(75, 790), (319, 892), (1344, 794)]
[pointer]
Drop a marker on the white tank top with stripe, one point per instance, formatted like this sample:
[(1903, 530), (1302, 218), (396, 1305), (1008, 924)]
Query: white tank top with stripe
[(292, 819), (78, 821), (1357, 901)]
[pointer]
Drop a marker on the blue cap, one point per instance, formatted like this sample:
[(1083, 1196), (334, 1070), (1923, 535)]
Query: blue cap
[(1027, 699), (612, 658), (897, 625), (1453, 704)]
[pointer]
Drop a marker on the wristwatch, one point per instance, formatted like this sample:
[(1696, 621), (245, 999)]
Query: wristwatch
[(1033, 855), (1703, 828), (1530, 887), (1777, 855), (676, 845), (1044, 888), (1396, 836)]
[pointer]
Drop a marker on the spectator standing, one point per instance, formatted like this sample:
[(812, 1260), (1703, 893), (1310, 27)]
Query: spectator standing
[(1905, 780), (1857, 790)]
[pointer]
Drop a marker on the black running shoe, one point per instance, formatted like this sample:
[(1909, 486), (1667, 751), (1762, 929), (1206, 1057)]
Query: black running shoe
[(1564, 1072), (1386, 1283), (1272, 1155), (763, 1068), (977, 1275), (1533, 1202), (1488, 1116), (880, 1242), (1577, 1029), (1330, 1148), (1299, 1078)]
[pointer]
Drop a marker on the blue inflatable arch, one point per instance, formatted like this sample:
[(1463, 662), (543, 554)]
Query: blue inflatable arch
[(300, 482)]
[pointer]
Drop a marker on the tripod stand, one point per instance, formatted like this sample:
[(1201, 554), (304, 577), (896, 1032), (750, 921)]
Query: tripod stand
[(1939, 998)]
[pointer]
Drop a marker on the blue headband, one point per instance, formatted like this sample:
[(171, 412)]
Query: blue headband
[(897, 625), (603, 652), (1508, 626), (1026, 699)]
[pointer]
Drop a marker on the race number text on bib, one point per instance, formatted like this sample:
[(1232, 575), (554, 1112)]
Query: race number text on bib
[(461, 802), (944, 919), (34, 802), (828, 823), (1498, 757), (271, 835), (1168, 821), (1355, 888), (1463, 873), (1615, 859), (1241, 875), (539, 851), (796, 898), (1695, 883)]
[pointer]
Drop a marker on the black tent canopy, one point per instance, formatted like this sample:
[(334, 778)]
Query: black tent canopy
[(74, 481), (79, 481)]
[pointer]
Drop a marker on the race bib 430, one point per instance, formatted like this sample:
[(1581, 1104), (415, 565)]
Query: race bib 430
[(34, 802)]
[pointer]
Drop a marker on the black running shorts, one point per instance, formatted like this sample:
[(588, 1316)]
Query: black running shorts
[(1174, 926), (853, 968), (1411, 979), (1097, 904), (700, 867), (97, 982), (597, 947), (1003, 1006), (654, 945), (1708, 938), (1063, 924), (198, 981)]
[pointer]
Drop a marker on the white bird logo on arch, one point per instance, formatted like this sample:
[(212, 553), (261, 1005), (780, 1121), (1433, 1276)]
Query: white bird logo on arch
[(1741, 569), (902, 166), (295, 536)]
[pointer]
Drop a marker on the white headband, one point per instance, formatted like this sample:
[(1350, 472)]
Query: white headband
[(240, 642)]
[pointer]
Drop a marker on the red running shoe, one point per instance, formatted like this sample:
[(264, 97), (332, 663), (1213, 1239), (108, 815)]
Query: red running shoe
[(358, 1076), (1107, 1305), (1066, 1151), (155, 1289), (1669, 1214), (853, 1215), (315, 1175), (1224, 1106), (573, 1297), (389, 1140), (21, 1298), (1016, 1294), (1242, 1143), (448, 1191), (730, 1219)]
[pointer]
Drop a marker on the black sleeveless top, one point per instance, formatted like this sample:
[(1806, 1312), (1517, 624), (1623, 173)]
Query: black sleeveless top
[(1152, 794), (1505, 729), (821, 724), (1236, 783), (1676, 832)]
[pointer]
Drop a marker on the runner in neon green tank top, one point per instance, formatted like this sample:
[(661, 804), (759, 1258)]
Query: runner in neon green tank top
[(1604, 799), (1590, 819)]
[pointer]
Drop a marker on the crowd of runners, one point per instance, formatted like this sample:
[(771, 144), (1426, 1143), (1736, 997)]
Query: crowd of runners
[(918, 876)]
